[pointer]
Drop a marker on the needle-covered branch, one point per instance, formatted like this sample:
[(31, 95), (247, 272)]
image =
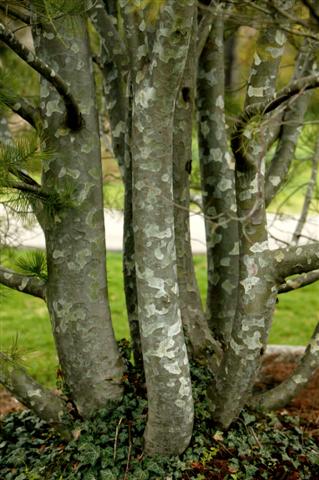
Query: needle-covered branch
[(299, 282), (295, 260), (40, 400), (73, 115), (23, 283)]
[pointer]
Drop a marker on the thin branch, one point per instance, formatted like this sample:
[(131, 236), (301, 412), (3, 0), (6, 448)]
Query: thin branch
[(74, 118), (299, 282), (34, 190), (23, 283), (312, 9), (279, 396), (40, 400), (110, 38), (309, 194), (295, 260), (204, 27), (16, 14), (25, 110), (296, 87)]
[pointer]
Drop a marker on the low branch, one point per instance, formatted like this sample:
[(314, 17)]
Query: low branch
[(295, 260), (23, 283), (40, 400), (25, 110), (299, 282), (74, 118), (16, 14), (279, 396)]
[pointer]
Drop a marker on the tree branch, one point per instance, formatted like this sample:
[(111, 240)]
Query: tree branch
[(40, 400), (309, 194), (110, 38), (282, 394), (299, 282), (73, 115), (204, 27), (25, 110), (295, 260), (23, 283), (16, 14), (296, 87)]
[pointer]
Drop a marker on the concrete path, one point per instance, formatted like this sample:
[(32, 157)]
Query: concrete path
[(18, 234)]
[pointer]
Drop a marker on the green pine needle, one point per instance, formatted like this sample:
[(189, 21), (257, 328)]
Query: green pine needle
[(34, 264)]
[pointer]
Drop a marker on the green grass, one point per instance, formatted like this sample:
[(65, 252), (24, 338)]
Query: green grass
[(25, 318)]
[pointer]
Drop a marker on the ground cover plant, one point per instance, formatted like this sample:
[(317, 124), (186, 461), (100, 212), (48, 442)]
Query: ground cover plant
[(110, 446)]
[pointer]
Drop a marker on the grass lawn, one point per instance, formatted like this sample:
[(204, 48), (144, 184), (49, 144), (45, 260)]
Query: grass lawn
[(24, 321)]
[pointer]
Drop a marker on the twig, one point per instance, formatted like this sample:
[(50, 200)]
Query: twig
[(117, 431)]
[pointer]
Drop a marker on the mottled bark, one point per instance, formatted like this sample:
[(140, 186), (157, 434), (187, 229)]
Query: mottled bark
[(199, 340), (43, 402), (218, 188), (74, 226), (281, 395), (170, 414), (129, 269), (292, 120), (22, 283), (73, 115), (299, 282)]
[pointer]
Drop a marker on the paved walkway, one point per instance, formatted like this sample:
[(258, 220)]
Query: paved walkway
[(31, 236)]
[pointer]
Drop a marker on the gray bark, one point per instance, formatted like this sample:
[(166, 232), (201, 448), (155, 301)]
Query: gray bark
[(44, 403), (218, 188), (74, 226), (170, 414)]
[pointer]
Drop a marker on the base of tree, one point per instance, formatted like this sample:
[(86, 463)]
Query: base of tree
[(110, 446)]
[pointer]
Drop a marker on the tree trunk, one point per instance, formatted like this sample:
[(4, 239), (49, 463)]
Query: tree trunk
[(73, 224), (170, 414)]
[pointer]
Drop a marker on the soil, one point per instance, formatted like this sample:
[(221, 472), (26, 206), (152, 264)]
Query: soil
[(305, 405)]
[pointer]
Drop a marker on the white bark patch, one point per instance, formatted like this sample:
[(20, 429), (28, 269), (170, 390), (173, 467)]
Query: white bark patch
[(259, 247), (220, 102), (53, 106), (154, 231), (225, 184), (7, 276), (257, 59), (145, 96), (216, 154), (249, 283), (235, 250), (274, 180), (279, 256), (275, 52), (298, 379), (225, 262), (35, 393), (280, 37), (255, 91), (119, 129), (57, 254), (228, 286), (23, 284)]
